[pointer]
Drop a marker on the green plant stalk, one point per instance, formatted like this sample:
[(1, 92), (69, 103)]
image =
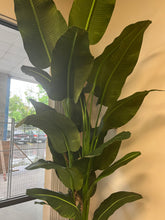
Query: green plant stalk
[(83, 117), (86, 130), (90, 15), (69, 67), (69, 155), (66, 159), (85, 210), (86, 150), (91, 94), (86, 198)]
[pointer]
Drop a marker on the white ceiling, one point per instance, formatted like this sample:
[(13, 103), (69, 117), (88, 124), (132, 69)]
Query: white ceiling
[(12, 54)]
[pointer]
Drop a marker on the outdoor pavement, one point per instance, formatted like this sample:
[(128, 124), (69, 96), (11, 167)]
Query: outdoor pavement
[(22, 179), (23, 211)]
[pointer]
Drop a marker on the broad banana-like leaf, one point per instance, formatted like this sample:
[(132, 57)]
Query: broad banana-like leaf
[(119, 137), (122, 111), (117, 62), (123, 161), (41, 77), (40, 24), (62, 203), (108, 171), (75, 112), (92, 16), (82, 165), (42, 164), (92, 179), (71, 177), (58, 158), (40, 107), (107, 157), (61, 131), (71, 64), (114, 202)]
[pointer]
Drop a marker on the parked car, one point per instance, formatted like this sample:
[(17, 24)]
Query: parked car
[(36, 136), (20, 137)]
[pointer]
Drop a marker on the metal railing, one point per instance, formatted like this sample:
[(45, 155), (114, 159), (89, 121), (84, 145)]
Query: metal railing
[(17, 151)]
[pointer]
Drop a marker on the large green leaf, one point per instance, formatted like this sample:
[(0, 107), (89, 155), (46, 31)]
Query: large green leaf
[(71, 177), (123, 161), (75, 112), (114, 202), (82, 165), (58, 158), (42, 164), (116, 63), (40, 107), (40, 24), (93, 16), (61, 131), (99, 150), (71, 64), (108, 171), (40, 76), (122, 111), (62, 203), (107, 157)]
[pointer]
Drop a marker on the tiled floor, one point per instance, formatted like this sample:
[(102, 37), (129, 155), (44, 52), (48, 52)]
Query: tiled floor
[(23, 211)]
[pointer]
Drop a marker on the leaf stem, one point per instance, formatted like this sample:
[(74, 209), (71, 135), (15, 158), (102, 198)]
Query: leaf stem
[(90, 15), (69, 66), (86, 128), (86, 198), (40, 31), (70, 157)]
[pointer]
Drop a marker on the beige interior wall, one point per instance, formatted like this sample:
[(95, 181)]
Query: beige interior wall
[(7, 8), (145, 175)]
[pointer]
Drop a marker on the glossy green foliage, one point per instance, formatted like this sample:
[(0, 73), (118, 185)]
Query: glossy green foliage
[(122, 111), (62, 132), (42, 164), (71, 177), (111, 169), (93, 16), (76, 137), (40, 24), (112, 203), (119, 137), (106, 153), (117, 62), (107, 157), (123, 161), (71, 64), (41, 76), (63, 203)]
